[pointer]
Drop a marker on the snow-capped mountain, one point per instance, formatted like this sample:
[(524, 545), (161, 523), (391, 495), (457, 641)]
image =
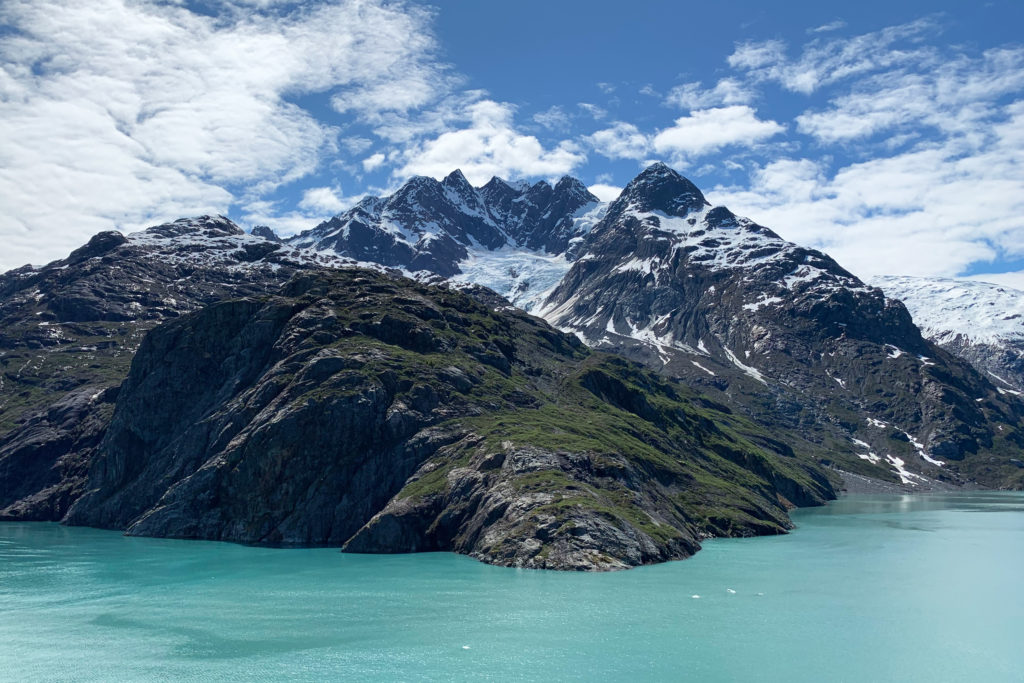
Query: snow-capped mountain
[(767, 331), (782, 332), (978, 321), (449, 227)]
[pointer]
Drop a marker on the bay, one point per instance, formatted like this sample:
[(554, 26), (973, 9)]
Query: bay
[(868, 588)]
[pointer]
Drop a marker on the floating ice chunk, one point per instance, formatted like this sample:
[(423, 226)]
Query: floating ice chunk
[(695, 597), (730, 591)]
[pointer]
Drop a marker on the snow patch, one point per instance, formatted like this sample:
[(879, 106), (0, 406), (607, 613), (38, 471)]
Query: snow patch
[(752, 372), (703, 368)]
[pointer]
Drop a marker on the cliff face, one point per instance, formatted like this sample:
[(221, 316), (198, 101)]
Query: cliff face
[(69, 330), (381, 415)]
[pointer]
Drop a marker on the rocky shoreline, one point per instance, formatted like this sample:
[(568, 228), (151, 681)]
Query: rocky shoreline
[(858, 484)]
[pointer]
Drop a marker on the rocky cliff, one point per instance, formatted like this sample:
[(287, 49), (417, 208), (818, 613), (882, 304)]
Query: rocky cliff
[(69, 330), (370, 412)]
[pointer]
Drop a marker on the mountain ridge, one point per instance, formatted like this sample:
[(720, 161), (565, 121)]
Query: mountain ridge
[(799, 358)]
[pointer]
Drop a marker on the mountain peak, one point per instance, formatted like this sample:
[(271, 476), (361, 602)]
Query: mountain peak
[(212, 226), (416, 183), (456, 179), (568, 184), (659, 188), (266, 232)]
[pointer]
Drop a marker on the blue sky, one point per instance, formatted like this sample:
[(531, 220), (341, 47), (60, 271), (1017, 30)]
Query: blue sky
[(891, 135)]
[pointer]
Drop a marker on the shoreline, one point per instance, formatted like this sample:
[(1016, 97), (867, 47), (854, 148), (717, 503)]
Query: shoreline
[(859, 484)]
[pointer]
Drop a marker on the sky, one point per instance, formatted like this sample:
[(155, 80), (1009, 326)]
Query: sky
[(890, 135)]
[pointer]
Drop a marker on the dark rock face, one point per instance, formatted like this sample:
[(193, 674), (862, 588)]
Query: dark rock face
[(266, 232), (68, 332), (784, 334), (386, 416), (430, 226), (46, 461)]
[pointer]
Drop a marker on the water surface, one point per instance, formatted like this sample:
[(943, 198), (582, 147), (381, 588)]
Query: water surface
[(904, 588)]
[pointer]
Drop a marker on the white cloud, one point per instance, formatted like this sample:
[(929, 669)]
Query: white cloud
[(621, 141), (604, 192), (489, 146), (826, 28), (827, 61), (356, 144), (123, 114), (727, 91), (373, 162), (323, 200), (553, 118), (957, 99), (753, 56), (596, 112), (708, 130), (933, 210)]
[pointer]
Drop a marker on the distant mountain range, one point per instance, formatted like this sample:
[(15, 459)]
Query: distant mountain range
[(981, 322), (194, 381)]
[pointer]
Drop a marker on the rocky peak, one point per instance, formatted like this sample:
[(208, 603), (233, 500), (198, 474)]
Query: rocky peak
[(266, 232), (100, 244), (199, 226), (658, 188), (415, 188), (570, 186), (457, 181), (464, 197)]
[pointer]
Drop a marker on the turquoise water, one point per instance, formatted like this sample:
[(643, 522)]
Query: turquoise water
[(926, 588)]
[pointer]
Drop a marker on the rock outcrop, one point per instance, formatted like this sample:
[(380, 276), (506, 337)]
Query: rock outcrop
[(370, 412), (69, 330)]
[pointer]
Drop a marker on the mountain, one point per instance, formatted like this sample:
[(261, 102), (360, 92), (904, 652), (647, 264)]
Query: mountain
[(511, 237), (191, 380), (981, 322), (782, 333), (69, 330), (370, 412)]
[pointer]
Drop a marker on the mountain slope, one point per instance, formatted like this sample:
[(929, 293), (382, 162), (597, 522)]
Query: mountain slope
[(980, 322), (783, 333), (369, 411), (707, 296), (68, 331)]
